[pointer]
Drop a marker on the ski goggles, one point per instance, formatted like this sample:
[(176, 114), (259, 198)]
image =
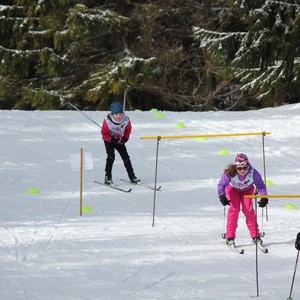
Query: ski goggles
[(242, 168)]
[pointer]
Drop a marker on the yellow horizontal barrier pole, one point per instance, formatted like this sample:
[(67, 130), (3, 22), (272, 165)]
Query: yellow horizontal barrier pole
[(272, 196), (203, 135)]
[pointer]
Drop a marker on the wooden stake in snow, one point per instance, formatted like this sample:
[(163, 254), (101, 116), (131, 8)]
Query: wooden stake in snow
[(79, 162)]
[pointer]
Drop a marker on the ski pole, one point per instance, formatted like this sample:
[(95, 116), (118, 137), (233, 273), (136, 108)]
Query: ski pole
[(262, 233), (127, 88), (84, 114), (256, 250), (290, 296), (224, 224)]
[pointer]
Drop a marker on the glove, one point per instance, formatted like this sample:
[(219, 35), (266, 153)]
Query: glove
[(114, 141), (263, 202), (224, 200), (123, 140), (297, 243)]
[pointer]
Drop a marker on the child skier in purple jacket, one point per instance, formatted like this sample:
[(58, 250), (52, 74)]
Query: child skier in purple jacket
[(240, 179)]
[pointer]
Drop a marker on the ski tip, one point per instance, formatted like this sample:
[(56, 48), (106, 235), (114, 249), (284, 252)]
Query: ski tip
[(262, 248), (114, 187), (236, 249)]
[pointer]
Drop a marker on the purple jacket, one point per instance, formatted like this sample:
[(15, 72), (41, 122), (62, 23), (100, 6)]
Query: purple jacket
[(243, 183)]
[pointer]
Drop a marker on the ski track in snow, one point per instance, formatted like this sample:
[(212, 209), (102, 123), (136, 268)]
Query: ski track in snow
[(50, 252)]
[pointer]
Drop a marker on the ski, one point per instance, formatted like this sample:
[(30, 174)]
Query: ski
[(236, 249), (143, 185), (114, 187), (262, 248)]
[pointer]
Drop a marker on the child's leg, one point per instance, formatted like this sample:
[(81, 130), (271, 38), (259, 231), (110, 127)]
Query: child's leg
[(233, 212), (110, 151), (249, 212), (126, 160)]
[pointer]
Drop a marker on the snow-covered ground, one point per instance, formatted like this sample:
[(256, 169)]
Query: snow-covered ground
[(49, 252)]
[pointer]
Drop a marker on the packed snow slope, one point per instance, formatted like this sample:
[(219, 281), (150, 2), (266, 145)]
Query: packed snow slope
[(115, 251)]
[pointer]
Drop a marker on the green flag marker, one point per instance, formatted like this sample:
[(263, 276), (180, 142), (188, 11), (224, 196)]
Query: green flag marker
[(290, 206), (269, 183), (137, 110), (223, 152), (33, 191), (159, 115), (180, 125), (154, 110), (86, 208)]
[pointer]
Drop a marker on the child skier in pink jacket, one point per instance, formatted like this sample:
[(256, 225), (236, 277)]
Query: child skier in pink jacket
[(116, 130), (240, 179)]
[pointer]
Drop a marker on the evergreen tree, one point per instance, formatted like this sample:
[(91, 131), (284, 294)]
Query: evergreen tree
[(262, 51), (70, 50), (87, 51)]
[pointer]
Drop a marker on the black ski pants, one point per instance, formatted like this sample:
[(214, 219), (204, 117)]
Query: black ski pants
[(110, 151)]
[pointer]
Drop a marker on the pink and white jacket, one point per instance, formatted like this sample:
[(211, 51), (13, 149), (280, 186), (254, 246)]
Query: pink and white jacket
[(113, 129)]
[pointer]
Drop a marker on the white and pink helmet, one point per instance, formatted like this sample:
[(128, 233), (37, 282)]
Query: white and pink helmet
[(241, 159)]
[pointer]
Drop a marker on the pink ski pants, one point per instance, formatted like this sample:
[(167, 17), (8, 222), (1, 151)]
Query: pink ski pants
[(237, 201)]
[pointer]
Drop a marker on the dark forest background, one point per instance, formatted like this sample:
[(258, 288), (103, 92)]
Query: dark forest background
[(171, 55)]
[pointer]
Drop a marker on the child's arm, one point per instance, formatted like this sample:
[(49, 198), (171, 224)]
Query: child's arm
[(259, 183), (105, 132), (127, 131)]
